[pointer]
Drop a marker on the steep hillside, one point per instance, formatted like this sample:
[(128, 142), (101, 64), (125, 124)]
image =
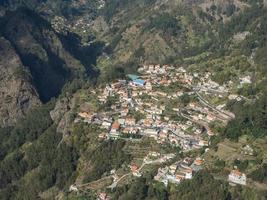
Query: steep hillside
[(17, 95), (48, 59), (41, 50), (53, 147), (160, 31)]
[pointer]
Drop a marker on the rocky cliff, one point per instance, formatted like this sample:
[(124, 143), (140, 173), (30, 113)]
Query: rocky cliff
[(35, 65), (17, 95)]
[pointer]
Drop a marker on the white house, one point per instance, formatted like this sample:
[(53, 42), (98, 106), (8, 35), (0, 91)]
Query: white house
[(151, 133), (237, 177)]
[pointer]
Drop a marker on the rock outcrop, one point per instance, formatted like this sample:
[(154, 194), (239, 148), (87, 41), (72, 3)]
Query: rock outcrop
[(41, 50), (17, 95)]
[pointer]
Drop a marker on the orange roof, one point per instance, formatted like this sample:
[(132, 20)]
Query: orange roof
[(198, 161), (115, 125), (85, 114), (236, 172), (126, 130), (134, 167), (148, 122), (181, 176)]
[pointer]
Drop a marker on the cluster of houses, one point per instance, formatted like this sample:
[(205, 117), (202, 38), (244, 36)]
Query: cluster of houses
[(203, 113), (165, 75), (137, 111), (152, 157), (139, 94), (179, 171)]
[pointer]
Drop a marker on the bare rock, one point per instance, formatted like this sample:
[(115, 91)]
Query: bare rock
[(17, 95), (61, 107)]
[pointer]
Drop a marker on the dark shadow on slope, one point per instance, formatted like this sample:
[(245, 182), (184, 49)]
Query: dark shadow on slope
[(25, 30), (48, 77), (87, 55)]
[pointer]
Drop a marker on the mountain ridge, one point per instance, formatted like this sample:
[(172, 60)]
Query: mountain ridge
[(42, 54), (87, 50)]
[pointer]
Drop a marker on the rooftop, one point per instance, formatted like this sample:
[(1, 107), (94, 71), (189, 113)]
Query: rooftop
[(139, 81), (133, 76)]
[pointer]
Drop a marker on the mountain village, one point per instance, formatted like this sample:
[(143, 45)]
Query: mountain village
[(168, 105)]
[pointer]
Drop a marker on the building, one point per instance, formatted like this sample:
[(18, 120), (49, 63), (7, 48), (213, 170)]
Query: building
[(138, 83), (148, 122), (73, 188), (137, 174), (148, 86), (103, 196), (203, 143), (106, 124), (134, 168), (151, 133), (133, 77), (173, 168), (188, 173), (124, 112), (237, 177), (102, 136), (153, 154), (87, 116), (245, 80), (163, 135), (179, 178), (114, 135), (121, 121), (198, 161), (130, 121), (115, 127)]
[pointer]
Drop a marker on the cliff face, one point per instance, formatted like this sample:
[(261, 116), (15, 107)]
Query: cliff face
[(17, 95), (41, 50), (34, 64)]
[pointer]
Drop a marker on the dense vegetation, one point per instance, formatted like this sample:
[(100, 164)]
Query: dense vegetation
[(167, 23), (251, 121), (260, 174), (202, 187), (107, 156), (33, 151), (42, 159), (28, 130)]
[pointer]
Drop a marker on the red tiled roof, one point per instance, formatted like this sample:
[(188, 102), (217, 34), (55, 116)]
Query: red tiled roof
[(115, 125), (134, 167)]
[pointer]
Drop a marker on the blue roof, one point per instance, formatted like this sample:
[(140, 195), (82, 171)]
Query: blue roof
[(139, 81)]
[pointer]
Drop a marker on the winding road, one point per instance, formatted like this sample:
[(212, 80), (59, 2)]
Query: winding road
[(114, 184), (203, 101)]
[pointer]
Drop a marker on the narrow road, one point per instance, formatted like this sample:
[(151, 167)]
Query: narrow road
[(202, 100), (114, 184)]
